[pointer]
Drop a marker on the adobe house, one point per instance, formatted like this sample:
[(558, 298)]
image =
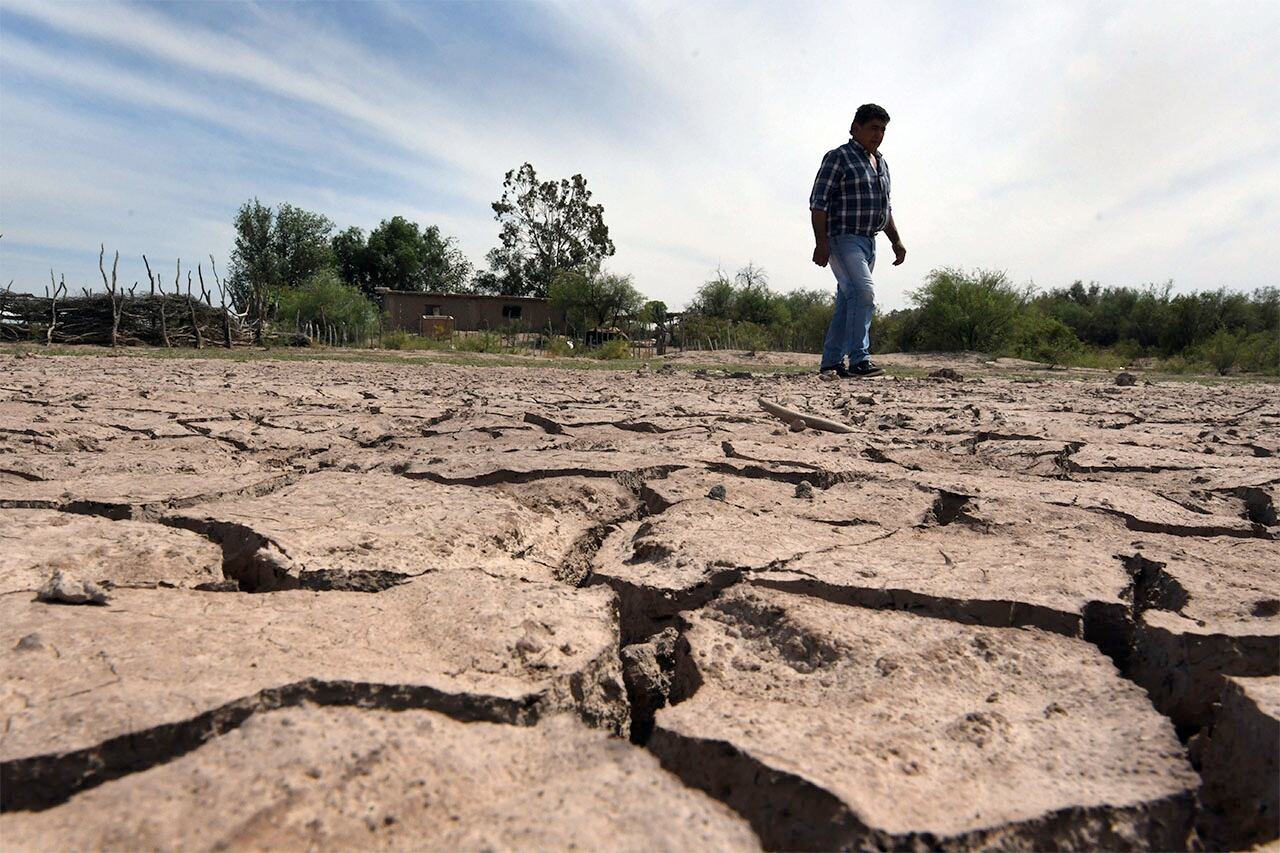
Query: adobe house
[(405, 309)]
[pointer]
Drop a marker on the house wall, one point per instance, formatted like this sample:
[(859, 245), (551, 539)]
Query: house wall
[(404, 310)]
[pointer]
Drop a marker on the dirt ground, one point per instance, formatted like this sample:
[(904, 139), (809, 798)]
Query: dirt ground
[(410, 604)]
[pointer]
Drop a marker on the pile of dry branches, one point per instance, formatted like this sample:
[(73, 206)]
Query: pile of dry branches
[(120, 317)]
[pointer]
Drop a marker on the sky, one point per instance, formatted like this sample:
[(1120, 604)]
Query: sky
[(1121, 142)]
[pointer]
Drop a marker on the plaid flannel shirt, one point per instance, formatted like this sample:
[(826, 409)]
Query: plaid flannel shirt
[(854, 196)]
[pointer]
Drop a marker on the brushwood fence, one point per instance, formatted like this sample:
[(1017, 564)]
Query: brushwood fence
[(119, 319)]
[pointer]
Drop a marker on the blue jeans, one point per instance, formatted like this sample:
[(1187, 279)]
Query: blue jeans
[(853, 257)]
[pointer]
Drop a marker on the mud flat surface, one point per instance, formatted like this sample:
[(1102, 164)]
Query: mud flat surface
[(404, 605)]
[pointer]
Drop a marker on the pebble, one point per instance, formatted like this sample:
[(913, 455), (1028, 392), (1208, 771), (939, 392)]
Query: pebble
[(64, 588)]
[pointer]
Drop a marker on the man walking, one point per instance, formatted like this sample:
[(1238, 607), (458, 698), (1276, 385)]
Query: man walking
[(849, 205)]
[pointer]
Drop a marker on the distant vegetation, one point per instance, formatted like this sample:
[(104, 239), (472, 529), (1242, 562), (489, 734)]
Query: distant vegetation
[(1088, 325), (292, 271), (594, 299), (983, 311), (548, 228), (743, 312), (289, 265)]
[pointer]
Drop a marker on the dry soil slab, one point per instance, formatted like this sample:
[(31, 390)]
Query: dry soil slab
[(36, 543), (140, 481), (704, 529), (351, 779), (834, 728), (93, 692), (339, 530)]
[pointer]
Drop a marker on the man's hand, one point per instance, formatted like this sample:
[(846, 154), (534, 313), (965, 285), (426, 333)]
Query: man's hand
[(821, 253), (899, 250), (821, 248)]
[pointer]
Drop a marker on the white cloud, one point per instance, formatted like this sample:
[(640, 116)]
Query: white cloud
[(1057, 141)]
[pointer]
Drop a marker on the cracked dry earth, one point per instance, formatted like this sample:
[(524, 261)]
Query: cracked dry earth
[(362, 605)]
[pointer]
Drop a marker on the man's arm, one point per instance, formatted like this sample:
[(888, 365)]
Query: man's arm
[(899, 250), (819, 199), (821, 249)]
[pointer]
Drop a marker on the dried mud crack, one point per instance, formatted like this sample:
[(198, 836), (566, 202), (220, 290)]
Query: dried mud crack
[(44, 781), (993, 614)]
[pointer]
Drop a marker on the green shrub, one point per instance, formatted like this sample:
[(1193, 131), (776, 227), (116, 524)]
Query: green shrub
[(593, 299), (1128, 351), (1182, 364), (401, 340), (896, 331), (700, 331), (1152, 318), (1252, 353), (558, 346), (325, 300), (1039, 337), (1221, 351), (749, 336), (395, 339), (810, 312), (1260, 353), (715, 298), (1080, 325), (613, 350), (482, 342), (1105, 358), (967, 311)]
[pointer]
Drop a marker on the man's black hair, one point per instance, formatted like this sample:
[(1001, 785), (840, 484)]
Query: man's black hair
[(869, 112)]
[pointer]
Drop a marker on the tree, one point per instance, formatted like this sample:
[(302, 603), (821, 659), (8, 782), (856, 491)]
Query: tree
[(1266, 302), (548, 228), (746, 298), (754, 302), (255, 267), (274, 250), (401, 256), (895, 331), (593, 299), (301, 241), (654, 312), (715, 298), (444, 269), (350, 256), (1222, 350)]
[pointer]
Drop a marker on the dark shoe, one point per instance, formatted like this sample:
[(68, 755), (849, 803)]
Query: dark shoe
[(864, 369), (840, 370)]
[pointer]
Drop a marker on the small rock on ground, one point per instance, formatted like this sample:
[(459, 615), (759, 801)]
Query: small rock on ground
[(63, 588)]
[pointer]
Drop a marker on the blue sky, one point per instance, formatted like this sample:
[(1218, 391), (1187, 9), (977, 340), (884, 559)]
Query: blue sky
[(1120, 142)]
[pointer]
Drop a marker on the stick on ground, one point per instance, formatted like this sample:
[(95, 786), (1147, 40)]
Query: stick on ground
[(790, 415)]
